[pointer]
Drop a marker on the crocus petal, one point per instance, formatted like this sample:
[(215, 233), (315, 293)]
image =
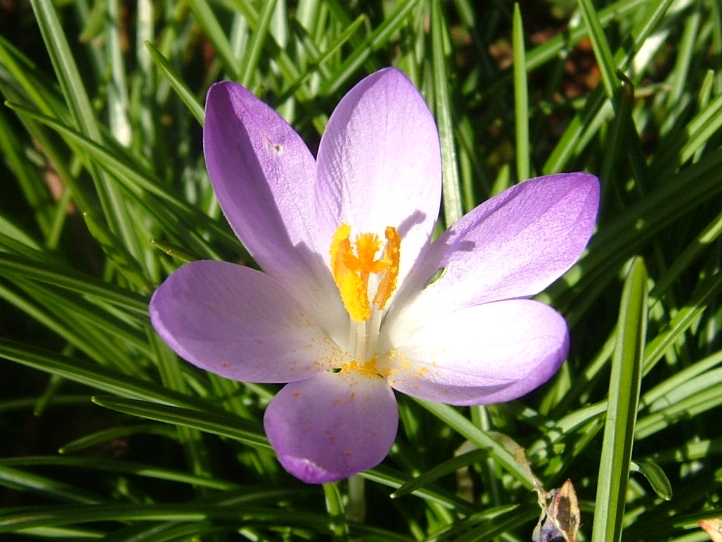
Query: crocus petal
[(240, 324), (489, 353), (513, 245), (379, 163), (332, 426), (264, 175)]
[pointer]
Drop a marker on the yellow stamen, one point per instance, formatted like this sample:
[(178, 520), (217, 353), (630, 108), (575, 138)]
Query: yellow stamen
[(387, 285), (353, 263)]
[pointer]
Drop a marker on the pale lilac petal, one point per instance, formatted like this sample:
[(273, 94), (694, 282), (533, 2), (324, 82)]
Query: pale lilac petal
[(264, 176), (241, 324), (513, 245), (485, 354), (379, 163), (332, 426)]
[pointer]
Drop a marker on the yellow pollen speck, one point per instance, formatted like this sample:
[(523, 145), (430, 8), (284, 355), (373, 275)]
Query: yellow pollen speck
[(352, 263), (367, 368)]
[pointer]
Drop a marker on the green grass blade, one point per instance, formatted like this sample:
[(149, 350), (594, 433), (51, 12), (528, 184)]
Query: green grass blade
[(601, 47), (214, 31), (217, 423), (184, 93), (451, 186), (472, 433), (75, 281), (93, 375), (45, 487), (118, 466), (621, 416), (521, 98), (81, 108), (252, 56)]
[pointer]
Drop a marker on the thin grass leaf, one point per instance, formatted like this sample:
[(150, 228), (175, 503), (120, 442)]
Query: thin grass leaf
[(45, 487), (141, 185), (117, 466), (12, 520), (521, 98), (93, 375), (433, 474), (469, 431), (253, 51), (336, 515), (134, 304), (361, 53), (177, 83), (115, 433), (707, 292), (655, 476), (621, 416), (213, 29), (601, 47), (79, 104), (388, 477), (217, 423), (118, 101), (451, 187)]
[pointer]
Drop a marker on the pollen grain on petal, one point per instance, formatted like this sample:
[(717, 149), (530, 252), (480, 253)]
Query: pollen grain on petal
[(364, 368)]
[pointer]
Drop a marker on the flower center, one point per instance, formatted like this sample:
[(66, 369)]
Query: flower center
[(357, 265), (353, 263)]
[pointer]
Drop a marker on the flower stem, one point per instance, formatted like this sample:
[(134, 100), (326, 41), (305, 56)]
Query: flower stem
[(334, 507)]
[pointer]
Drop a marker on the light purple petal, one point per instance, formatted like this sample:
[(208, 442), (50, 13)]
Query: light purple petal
[(513, 245), (241, 324), (379, 163), (332, 426), (264, 176), (489, 353)]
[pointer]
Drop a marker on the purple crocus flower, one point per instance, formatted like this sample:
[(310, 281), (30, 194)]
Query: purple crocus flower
[(349, 304)]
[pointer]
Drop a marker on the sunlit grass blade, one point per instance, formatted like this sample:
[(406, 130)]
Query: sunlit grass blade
[(216, 423), (362, 51), (118, 466), (45, 487), (116, 252), (66, 69), (602, 50), (700, 395), (433, 474), (521, 98), (177, 83), (212, 28), (707, 292), (655, 476), (624, 387), (116, 433), (469, 431), (335, 509), (94, 376), (387, 477), (141, 184), (253, 51), (451, 187), (561, 42), (75, 281), (240, 514)]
